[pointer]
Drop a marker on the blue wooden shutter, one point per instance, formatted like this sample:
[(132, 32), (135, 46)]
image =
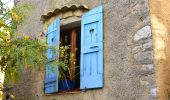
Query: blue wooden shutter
[(51, 75), (91, 69)]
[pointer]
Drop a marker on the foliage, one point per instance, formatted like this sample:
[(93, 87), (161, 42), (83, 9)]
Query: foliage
[(63, 64), (24, 54), (62, 61), (10, 18), (20, 52), (17, 51)]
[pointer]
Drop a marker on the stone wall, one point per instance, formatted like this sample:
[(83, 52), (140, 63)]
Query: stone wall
[(128, 62), (143, 58)]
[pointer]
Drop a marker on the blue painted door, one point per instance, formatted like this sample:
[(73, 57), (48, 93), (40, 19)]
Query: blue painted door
[(51, 75), (91, 68)]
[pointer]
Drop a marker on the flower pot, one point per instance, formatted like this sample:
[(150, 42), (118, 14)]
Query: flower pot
[(65, 85)]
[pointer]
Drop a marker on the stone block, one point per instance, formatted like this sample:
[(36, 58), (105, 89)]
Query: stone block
[(153, 93), (147, 46), (144, 82), (142, 47), (137, 49), (143, 33), (143, 57), (147, 69)]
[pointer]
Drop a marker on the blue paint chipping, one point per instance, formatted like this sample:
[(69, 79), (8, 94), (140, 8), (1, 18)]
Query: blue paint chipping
[(51, 75)]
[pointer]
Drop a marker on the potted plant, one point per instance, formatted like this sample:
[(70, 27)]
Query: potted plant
[(63, 69)]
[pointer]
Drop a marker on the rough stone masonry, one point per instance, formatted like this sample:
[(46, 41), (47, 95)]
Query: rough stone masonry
[(143, 57)]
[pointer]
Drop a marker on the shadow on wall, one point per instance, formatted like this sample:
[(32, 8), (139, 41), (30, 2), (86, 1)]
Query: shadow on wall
[(160, 23)]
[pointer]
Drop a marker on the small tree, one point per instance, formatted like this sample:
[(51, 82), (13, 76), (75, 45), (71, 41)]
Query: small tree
[(17, 51)]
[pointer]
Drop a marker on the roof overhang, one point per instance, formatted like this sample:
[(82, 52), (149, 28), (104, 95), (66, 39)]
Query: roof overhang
[(65, 12)]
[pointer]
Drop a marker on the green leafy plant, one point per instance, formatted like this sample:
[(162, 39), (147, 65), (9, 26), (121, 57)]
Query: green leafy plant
[(18, 52), (63, 64), (61, 61)]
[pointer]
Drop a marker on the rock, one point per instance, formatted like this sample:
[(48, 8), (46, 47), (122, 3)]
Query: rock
[(141, 48), (143, 57), (147, 69), (137, 49), (145, 32), (147, 46), (144, 82), (153, 92)]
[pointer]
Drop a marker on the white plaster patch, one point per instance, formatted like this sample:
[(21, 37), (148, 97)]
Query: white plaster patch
[(145, 32)]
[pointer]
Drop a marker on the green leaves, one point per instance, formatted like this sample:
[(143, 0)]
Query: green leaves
[(10, 18), (63, 63), (19, 54)]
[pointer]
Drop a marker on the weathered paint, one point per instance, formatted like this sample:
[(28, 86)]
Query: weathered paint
[(51, 73), (91, 68)]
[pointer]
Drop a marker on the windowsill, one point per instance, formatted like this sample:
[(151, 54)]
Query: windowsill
[(75, 91), (65, 92), (69, 92)]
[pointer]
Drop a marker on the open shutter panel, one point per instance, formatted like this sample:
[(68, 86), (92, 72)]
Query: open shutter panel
[(51, 75), (92, 49)]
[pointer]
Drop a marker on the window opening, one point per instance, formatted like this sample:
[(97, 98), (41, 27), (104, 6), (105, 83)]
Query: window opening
[(71, 38)]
